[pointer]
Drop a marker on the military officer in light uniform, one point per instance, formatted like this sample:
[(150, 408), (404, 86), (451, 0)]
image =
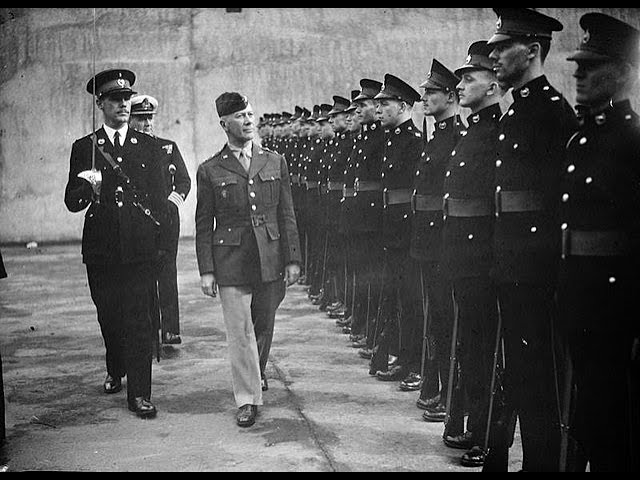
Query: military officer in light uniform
[(401, 308), (165, 305), (599, 204), (126, 233), (531, 139), (247, 246)]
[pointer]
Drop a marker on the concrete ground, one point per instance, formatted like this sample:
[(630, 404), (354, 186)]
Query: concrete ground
[(323, 411)]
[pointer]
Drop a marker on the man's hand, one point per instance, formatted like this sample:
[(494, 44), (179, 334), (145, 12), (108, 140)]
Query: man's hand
[(291, 274), (209, 285)]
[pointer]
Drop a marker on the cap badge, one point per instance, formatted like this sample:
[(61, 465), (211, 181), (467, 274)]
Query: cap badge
[(468, 59), (121, 83), (586, 37), (145, 104), (499, 23)]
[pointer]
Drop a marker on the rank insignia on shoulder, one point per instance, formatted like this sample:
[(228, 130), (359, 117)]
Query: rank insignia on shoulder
[(168, 148), (134, 140)]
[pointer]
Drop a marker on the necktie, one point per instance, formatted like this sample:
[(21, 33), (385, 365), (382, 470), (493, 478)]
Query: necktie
[(245, 161), (116, 144)]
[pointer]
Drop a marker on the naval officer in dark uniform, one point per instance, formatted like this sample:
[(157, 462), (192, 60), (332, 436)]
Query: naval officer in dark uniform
[(467, 238), (531, 148), (401, 310), (165, 304), (440, 101), (247, 246), (599, 204), (126, 233)]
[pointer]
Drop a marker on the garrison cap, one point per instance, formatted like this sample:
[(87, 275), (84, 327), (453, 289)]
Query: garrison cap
[(340, 104), (112, 81), (396, 89), (477, 58), (607, 38), (325, 108), (231, 102), (369, 89), (440, 78), (144, 105), (523, 22)]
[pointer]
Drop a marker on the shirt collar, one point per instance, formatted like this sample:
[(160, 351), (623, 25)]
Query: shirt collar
[(123, 132), (247, 149)]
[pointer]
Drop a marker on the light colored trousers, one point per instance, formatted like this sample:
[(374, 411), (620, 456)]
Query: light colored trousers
[(249, 313)]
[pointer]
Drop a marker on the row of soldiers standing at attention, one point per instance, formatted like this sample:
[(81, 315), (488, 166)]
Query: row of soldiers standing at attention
[(490, 266)]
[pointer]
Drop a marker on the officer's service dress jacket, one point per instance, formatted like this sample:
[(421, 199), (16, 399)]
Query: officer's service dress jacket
[(246, 230)]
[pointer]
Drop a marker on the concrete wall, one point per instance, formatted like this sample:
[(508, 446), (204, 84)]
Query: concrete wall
[(279, 57)]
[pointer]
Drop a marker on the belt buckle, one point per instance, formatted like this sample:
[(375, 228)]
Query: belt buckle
[(414, 201), (445, 207), (385, 197), (498, 203), (566, 238)]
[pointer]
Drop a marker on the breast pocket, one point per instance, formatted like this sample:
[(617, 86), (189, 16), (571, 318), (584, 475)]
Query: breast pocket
[(270, 181), (226, 190)]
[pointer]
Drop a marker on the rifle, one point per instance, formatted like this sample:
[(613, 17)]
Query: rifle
[(494, 371), (452, 362), (426, 349)]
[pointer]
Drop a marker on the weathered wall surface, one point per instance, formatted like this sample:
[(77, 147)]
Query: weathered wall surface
[(279, 57)]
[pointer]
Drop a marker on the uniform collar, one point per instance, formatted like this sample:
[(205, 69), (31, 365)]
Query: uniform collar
[(535, 88), (490, 112), (111, 132), (617, 113), (247, 150)]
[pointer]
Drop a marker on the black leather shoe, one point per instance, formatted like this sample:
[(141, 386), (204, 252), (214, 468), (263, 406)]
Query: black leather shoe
[(366, 353), (112, 385), (143, 408), (473, 458), (171, 339), (264, 384), (247, 415), (412, 383), (460, 442), (428, 403), (436, 414), (392, 375)]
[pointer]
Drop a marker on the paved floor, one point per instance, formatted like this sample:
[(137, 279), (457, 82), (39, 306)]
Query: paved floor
[(323, 411)]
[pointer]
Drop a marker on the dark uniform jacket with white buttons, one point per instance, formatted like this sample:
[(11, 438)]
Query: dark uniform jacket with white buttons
[(246, 230), (342, 145), (402, 149), (531, 148), (312, 174), (179, 182), (367, 156), (469, 198), (428, 184), (600, 221), (113, 234), (347, 204)]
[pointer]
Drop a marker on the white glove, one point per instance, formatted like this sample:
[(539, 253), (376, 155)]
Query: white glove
[(94, 177), (176, 199)]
